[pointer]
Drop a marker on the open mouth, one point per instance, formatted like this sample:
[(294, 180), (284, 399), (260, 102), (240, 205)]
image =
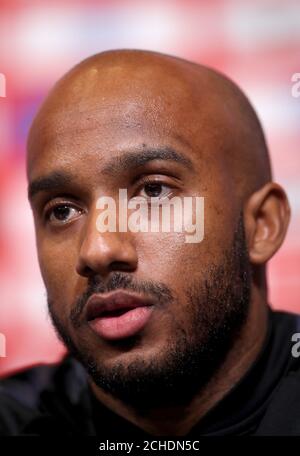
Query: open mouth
[(119, 315), (114, 313)]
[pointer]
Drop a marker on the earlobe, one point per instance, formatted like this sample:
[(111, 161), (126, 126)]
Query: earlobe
[(267, 215)]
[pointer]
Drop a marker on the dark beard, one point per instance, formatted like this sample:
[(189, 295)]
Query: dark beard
[(217, 309)]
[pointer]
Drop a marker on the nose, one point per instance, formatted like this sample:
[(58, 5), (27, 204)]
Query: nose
[(102, 253)]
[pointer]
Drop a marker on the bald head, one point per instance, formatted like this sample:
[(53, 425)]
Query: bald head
[(190, 99)]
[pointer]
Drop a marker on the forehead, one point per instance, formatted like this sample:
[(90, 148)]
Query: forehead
[(105, 114)]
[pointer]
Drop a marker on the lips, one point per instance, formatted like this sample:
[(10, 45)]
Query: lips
[(118, 315)]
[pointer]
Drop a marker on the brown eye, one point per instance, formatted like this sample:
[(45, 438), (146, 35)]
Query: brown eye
[(63, 213), (155, 190)]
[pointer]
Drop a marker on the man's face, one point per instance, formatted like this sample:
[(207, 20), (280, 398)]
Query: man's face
[(152, 141)]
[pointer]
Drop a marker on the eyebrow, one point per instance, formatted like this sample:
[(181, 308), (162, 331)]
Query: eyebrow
[(133, 159), (58, 179), (53, 181)]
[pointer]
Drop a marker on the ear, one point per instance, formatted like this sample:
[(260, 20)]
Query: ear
[(267, 216)]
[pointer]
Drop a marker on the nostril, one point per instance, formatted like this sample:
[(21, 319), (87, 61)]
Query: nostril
[(86, 271)]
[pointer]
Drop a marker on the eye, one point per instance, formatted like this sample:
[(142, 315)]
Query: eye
[(62, 213), (155, 189)]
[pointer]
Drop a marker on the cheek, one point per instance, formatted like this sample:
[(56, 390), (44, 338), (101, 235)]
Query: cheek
[(57, 263), (167, 258)]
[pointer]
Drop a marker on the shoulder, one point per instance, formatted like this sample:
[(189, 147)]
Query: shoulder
[(285, 318), (283, 413), (282, 416), (23, 394)]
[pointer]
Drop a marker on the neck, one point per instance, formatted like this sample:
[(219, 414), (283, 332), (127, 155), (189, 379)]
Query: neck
[(178, 420)]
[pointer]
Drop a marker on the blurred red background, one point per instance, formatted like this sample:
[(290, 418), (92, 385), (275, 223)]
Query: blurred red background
[(257, 43)]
